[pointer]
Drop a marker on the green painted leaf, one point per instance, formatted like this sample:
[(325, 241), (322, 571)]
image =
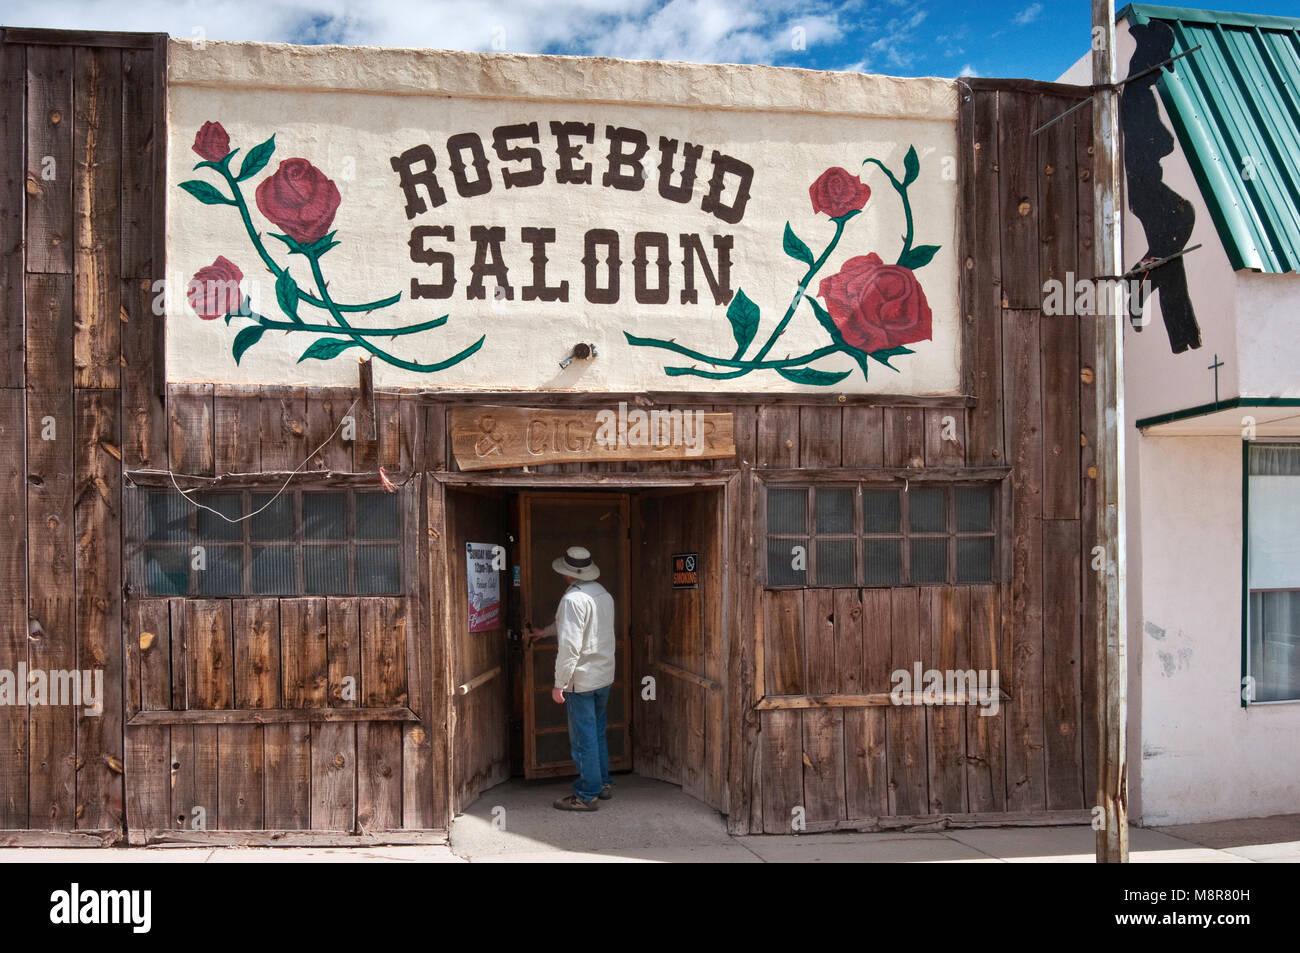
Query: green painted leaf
[(205, 193), (743, 315), (812, 376), (246, 339), (286, 293), (826, 321), (294, 247), (911, 166), (256, 160), (918, 256), (884, 354), (795, 247), (325, 348)]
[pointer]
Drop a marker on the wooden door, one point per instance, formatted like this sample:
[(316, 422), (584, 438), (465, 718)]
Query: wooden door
[(678, 639), (551, 523), (479, 754)]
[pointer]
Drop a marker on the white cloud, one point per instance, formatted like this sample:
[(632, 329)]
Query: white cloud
[(968, 70), (697, 30), (1028, 15), (895, 40)]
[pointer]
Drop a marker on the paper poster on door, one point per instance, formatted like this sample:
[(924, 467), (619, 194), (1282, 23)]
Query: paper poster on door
[(484, 564)]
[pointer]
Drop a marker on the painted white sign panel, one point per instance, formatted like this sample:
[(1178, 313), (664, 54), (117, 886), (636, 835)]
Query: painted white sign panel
[(467, 238)]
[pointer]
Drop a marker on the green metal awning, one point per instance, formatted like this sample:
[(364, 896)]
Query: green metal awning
[(1235, 107)]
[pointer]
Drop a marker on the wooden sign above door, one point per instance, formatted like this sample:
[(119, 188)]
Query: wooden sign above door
[(489, 438)]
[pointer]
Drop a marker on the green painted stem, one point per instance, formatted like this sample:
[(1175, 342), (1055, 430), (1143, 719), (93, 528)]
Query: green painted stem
[(278, 271), (747, 366), (901, 189), (758, 363), (384, 356), (330, 329)]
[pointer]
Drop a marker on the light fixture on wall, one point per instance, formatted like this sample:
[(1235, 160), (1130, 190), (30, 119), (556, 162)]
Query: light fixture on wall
[(580, 352)]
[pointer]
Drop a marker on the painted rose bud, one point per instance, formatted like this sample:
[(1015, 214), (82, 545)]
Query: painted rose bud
[(876, 306), (300, 200), (838, 192), (212, 142), (214, 290)]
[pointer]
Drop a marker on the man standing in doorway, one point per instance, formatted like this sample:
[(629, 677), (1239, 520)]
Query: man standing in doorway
[(584, 672)]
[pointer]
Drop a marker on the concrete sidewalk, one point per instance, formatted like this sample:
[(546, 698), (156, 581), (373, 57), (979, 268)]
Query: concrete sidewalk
[(649, 821)]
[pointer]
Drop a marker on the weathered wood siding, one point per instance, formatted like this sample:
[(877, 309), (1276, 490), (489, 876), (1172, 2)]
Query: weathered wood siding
[(232, 704)]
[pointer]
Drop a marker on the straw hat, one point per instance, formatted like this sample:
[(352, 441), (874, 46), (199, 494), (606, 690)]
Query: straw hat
[(577, 562)]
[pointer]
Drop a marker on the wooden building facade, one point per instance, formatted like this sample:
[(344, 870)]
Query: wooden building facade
[(331, 714)]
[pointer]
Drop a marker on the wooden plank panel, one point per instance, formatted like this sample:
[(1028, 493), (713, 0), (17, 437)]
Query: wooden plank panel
[(13, 94), (97, 518), (850, 665), (209, 654), (148, 633), (819, 436), (426, 776), (1026, 790), (190, 431), (906, 724), (1087, 461), (383, 652), (97, 150), (283, 415), (877, 640), (904, 436), (379, 776), (946, 724), (183, 793), (1061, 666), (985, 767), (945, 438), (207, 759), (257, 653), (304, 653), (823, 758), (13, 604), (148, 770), (691, 715), (864, 437), (1058, 262), (744, 430), (343, 651), (240, 777), (287, 776), (325, 409), (781, 739), (1018, 200), (144, 418), (981, 281), (50, 166), (140, 151), (48, 334), (819, 641), (333, 777), (783, 641), (778, 436), (52, 559), (237, 441)]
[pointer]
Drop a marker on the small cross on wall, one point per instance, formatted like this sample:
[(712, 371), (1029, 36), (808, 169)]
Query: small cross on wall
[(1215, 367)]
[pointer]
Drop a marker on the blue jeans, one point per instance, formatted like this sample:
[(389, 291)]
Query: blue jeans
[(587, 745)]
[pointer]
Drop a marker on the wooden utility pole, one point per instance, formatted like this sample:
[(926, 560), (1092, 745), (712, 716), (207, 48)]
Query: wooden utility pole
[(1111, 635)]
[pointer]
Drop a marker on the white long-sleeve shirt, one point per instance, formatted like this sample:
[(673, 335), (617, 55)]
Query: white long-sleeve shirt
[(584, 630)]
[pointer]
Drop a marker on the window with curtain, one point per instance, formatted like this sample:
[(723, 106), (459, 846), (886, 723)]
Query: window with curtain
[(881, 535), (1273, 572)]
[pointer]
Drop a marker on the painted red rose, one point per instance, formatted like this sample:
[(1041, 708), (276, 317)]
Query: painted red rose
[(299, 199), (876, 306), (212, 142), (214, 290), (838, 192)]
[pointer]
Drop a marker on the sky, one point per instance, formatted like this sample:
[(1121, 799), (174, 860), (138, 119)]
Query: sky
[(1036, 39)]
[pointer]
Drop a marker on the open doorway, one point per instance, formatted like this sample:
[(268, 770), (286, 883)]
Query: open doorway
[(660, 554)]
